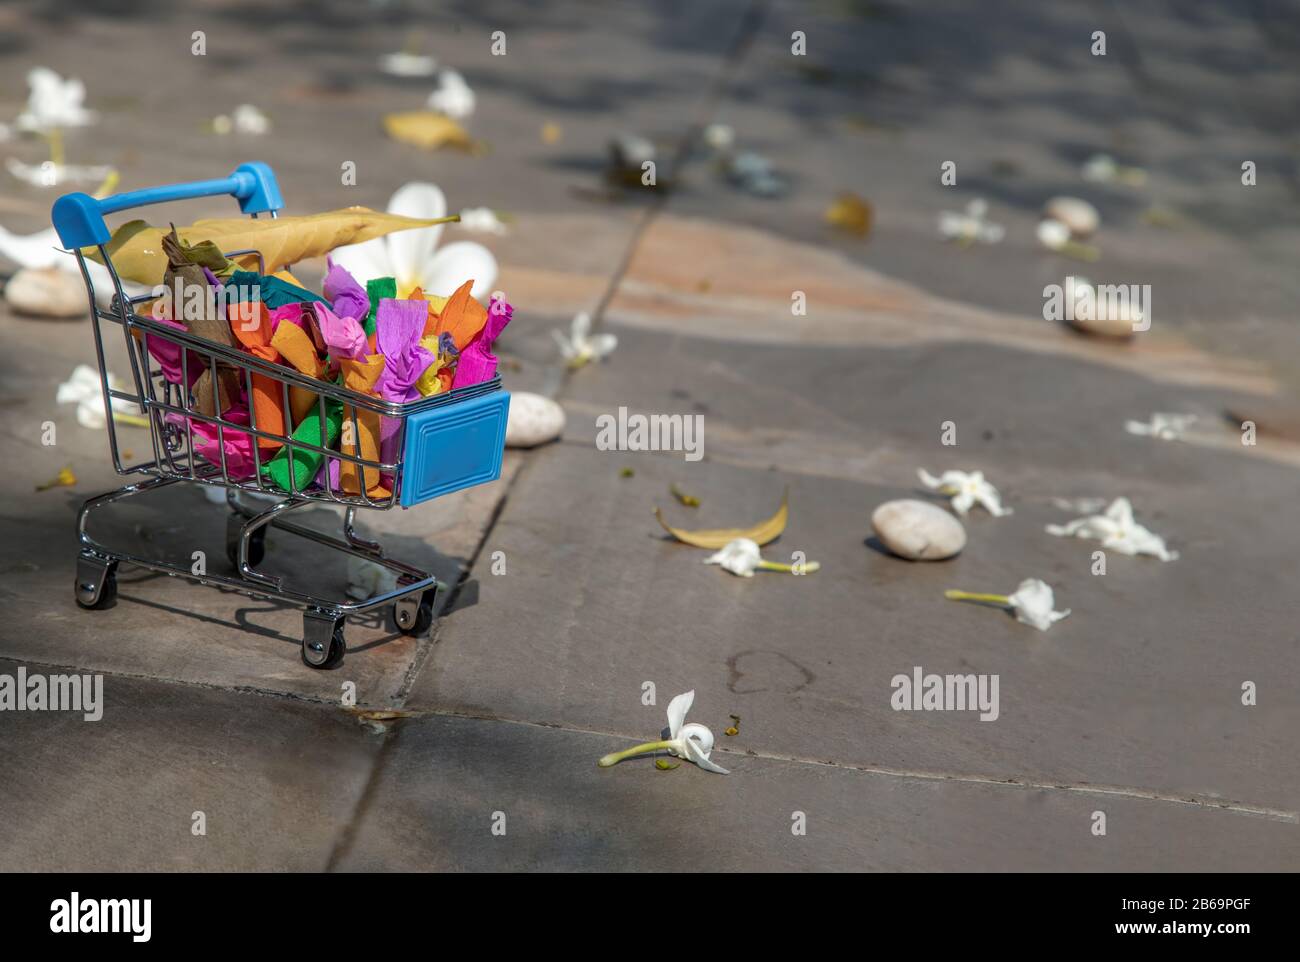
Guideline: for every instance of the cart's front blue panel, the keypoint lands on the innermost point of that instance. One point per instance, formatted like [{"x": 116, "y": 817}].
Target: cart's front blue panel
[{"x": 453, "y": 447}]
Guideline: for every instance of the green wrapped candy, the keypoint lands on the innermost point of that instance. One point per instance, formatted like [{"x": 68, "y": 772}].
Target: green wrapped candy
[{"x": 306, "y": 464}]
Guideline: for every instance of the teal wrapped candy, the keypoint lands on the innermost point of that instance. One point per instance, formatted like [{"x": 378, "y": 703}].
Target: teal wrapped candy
[{"x": 274, "y": 291}]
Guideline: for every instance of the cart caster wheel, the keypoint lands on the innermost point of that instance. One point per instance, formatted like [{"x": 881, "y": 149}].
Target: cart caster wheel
[
  {"x": 96, "y": 585},
  {"x": 256, "y": 542},
  {"x": 415, "y": 616},
  {"x": 322, "y": 640},
  {"x": 315, "y": 655}
]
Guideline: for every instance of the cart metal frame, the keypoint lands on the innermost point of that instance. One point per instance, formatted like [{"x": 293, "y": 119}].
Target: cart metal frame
[{"x": 170, "y": 410}]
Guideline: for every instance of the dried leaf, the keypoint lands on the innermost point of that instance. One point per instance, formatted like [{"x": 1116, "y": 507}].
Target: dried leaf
[
  {"x": 551, "y": 133},
  {"x": 851, "y": 213},
  {"x": 626, "y": 473},
  {"x": 64, "y": 479},
  {"x": 427, "y": 129},
  {"x": 716, "y": 538},
  {"x": 137, "y": 251},
  {"x": 733, "y": 730},
  {"x": 690, "y": 500},
  {"x": 664, "y": 765}
]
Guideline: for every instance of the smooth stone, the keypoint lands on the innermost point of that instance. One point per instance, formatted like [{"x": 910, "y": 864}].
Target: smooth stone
[
  {"x": 533, "y": 420},
  {"x": 918, "y": 530},
  {"x": 47, "y": 292},
  {"x": 1077, "y": 214},
  {"x": 1103, "y": 322}
]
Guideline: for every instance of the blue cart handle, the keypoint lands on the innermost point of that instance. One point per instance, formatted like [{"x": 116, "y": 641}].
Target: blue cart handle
[{"x": 79, "y": 218}]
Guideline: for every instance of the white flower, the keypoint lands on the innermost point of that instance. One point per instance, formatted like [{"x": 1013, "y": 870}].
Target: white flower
[
  {"x": 408, "y": 64},
  {"x": 971, "y": 226},
  {"x": 1033, "y": 602},
  {"x": 452, "y": 96},
  {"x": 6, "y": 133},
  {"x": 1117, "y": 531},
  {"x": 85, "y": 390},
  {"x": 1166, "y": 427},
  {"x": 482, "y": 220},
  {"x": 1102, "y": 169},
  {"x": 692, "y": 742},
  {"x": 412, "y": 257},
  {"x": 1052, "y": 234},
  {"x": 581, "y": 345},
  {"x": 246, "y": 119},
  {"x": 740, "y": 557},
  {"x": 719, "y": 137},
  {"x": 50, "y": 174},
  {"x": 42, "y": 251},
  {"x": 54, "y": 102},
  {"x": 966, "y": 490}
]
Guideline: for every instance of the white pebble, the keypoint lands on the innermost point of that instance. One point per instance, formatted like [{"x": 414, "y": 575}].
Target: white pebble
[
  {"x": 533, "y": 420},
  {"x": 918, "y": 530},
  {"x": 1078, "y": 215},
  {"x": 47, "y": 292}
]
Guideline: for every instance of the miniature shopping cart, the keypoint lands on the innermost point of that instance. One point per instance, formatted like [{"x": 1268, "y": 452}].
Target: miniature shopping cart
[{"x": 444, "y": 442}]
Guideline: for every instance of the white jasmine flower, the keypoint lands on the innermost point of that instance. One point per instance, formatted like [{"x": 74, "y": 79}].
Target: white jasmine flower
[
  {"x": 404, "y": 64},
  {"x": 719, "y": 137},
  {"x": 52, "y": 174},
  {"x": 692, "y": 742},
  {"x": 1117, "y": 531},
  {"x": 453, "y": 96},
  {"x": 54, "y": 102},
  {"x": 1052, "y": 234},
  {"x": 1032, "y": 602},
  {"x": 246, "y": 119},
  {"x": 966, "y": 489},
  {"x": 85, "y": 390},
  {"x": 481, "y": 220},
  {"x": 414, "y": 258},
  {"x": 581, "y": 345},
  {"x": 971, "y": 226},
  {"x": 742, "y": 557},
  {"x": 1166, "y": 427}
]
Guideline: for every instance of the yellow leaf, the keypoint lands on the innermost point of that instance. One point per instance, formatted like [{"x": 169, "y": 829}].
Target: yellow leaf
[
  {"x": 851, "y": 213},
  {"x": 136, "y": 247},
  {"x": 64, "y": 479},
  {"x": 716, "y": 538},
  {"x": 689, "y": 500},
  {"x": 427, "y": 129}
]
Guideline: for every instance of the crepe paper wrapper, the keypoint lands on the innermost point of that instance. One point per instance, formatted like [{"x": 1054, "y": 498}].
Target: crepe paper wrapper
[
  {"x": 436, "y": 304},
  {"x": 462, "y": 317},
  {"x": 376, "y": 290},
  {"x": 346, "y": 297},
  {"x": 437, "y": 377},
  {"x": 296, "y": 347},
  {"x": 268, "y": 400},
  {"x": 716, "y": 538},
  {"x": 306, "y": 464},
  {"x": 168, "y": 354},
  {"x": 398, "y": 328},
  {"x": 343, "y": 337},
  {"x": 274, "y": 292},
  {"x": 363, "y": 442},
  {"x": 477, "y": 362},
  {"x": 238, "y": 446}
]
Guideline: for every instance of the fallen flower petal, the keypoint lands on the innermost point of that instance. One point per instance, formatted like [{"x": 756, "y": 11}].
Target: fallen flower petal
[
  {"x": 1166, "y": 427},
  {"x": 742, "y": 557},
  {"x": 1032, "y": 602},
  {"x": 581, "y": 346},
  {"x": 966, "y": 489},
  {"x": 453, "y": 96},
  {"x": 1116, "y": 530},
  {"x": 693, "y": 742}
]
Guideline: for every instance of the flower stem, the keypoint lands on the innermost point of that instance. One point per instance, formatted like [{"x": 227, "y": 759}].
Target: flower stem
[
  {"x": 807, "y": 566},
  {"x": 55, "y": 137},
  {"x": 613, "y": 758},
  {"x": 954, "y": 595}
]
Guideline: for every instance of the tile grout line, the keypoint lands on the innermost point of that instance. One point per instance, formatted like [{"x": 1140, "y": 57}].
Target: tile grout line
[{"x": 1140, "y": 794}]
